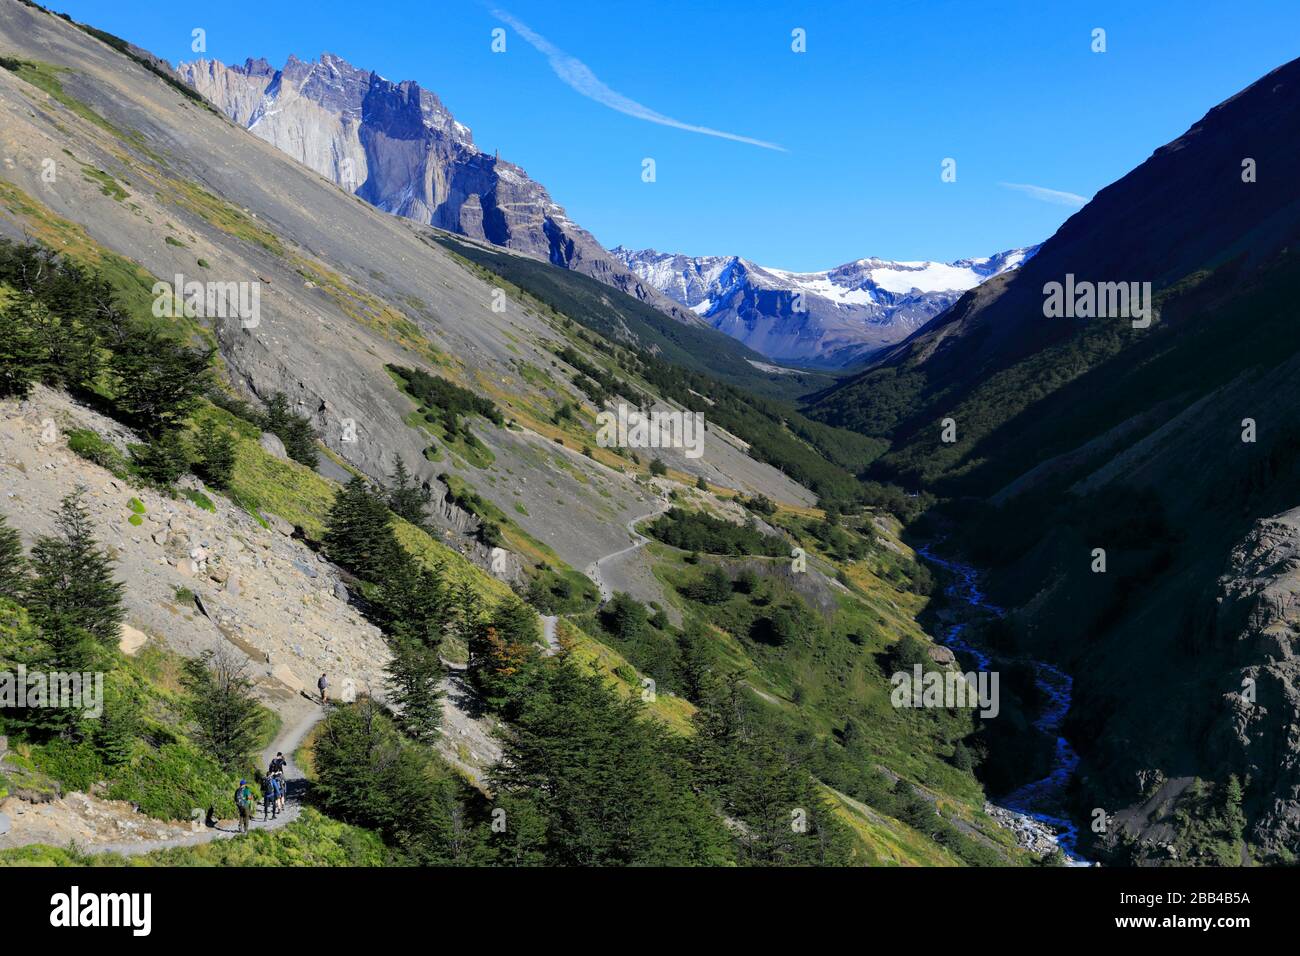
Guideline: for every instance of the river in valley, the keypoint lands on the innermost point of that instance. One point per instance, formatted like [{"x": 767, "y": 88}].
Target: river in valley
[{"x": 1039, "y": 804}]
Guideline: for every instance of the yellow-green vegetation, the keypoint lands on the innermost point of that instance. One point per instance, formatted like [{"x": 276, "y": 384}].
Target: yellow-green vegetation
[
  {"x": 217, "y": 212},
  {"x": 46, "y": 77},
  {"x": 676, "y": 712},
  {"x": 107, "y": 184},
  {"x": 883, "y": 841},
  {"x": 132, "y": 284},
  {"x": 369, "y": 310},
  {"x": 817, "y": 658},
  {"x": 300, "y": 496}
]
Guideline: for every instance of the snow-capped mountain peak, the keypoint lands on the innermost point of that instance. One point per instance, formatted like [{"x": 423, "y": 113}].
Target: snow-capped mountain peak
[{"x": 834, "y": 317}]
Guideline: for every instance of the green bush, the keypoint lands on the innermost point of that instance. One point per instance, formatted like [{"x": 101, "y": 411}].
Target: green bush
[
  {"x": 75, "y": 766},
  {"x": 697, "y": 531},
  {"x": 172, "y": 781},
  {"x": 90, "y": 446}
]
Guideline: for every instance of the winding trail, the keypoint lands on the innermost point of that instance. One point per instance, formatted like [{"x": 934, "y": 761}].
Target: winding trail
[
  {"x": 548, "y": 634},
  {"x": 295, "y": 786},
  {"x": 640, "y": 541},
  {"x": 1039, "y": 802}
]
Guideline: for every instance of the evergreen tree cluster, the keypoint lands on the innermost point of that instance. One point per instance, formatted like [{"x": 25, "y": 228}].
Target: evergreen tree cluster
[
  {"x": 67, "y": 590},
  {"x": 697, "y": 531},
  {"x": 446, "y": 401},
  {"x": 292, "y": 429},
  {"x": 65, "y": 328}
]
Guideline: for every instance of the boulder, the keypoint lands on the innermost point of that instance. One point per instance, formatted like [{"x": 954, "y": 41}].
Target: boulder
[
  {"x": 131, "y": 640},
  {"x": 941, "y": 655},
  {"x": 272, "y": 444}
]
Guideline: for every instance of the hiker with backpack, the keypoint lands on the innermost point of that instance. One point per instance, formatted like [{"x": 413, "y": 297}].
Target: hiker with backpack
[
  {"x": 276, "y": 773},
  {"x": 270, "y": 798},
  {"x": 244, "y": 801},
  {"x": 323, "y": 686}
]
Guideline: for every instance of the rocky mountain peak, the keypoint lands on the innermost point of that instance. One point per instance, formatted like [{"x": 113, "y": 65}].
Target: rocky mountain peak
[{"x": 397, "y": 146}]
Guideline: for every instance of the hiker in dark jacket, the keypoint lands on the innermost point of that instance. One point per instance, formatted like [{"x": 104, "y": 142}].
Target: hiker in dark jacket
[
  {"x": 269, "y": 798},
  {"x": 323, "y": 686},
  {"x": 244, "y": 801}
]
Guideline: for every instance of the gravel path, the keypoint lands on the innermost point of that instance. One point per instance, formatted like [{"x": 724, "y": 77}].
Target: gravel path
[
  {"x": 548, "y": 632},
  {"x": 296, "y": 785},
  {"x": 640, "y": 541}
]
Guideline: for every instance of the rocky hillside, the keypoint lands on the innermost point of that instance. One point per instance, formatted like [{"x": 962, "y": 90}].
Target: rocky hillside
[
  {"x": 834, "y": 318},
  {"x": 344, "y": 291},
  {"x": 398, "y": 147}
]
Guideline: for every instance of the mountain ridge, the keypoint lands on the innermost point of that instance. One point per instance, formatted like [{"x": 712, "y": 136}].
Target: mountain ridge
[
  {"x": 834, "y": 317},
  {"x": 397, "y": 146}
]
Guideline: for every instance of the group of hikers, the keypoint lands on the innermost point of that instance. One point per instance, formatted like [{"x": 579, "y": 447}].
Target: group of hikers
[
  {"x": 273, "y": 785},
  {"x": 273, "y": 794}
]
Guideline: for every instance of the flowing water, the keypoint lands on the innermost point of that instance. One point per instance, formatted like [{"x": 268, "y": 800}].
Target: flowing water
[{"x": 1042, "y": 800}]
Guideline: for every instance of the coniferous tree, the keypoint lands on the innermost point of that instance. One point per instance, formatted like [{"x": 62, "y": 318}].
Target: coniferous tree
[
  {"x": 157, "y": 380},
  {"x": 628, "y": 801},
  {"x": 68, "y": 348},
  {"x": 216, "y": 455},
  {"x": 292, "y": 429},
  {"x": 756, "y": 779},
  {"x": 625, "y": 617},
  {"x": 68, "y": 650},
  {"x": 368, "y": 775},
  {"x": 464, "y": 612},
  {"x": 359, "y": 533},
  {"x": 415, "y": 675},
  {"x": 413, "y": 603},
  {"x": 20, "y": 355},
  {"x": 406, "y": 498},
  {"x": 503, "y": 651},
  {"x": 163, "y": 459},
  {"x": 118, "y": 728},
  {"x": 72, "y": 584},
  {"x": 13, "y": 565},
  {"x": 222, "y": 706}
]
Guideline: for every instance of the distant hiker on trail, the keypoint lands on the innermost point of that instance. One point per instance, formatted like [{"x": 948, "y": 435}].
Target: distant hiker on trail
[
  {"x": 281, "y": 789},
  {"x": 323, "y": 686},
  {"x": 277, "y": 763},
  {"x": 244, "y": 800}
]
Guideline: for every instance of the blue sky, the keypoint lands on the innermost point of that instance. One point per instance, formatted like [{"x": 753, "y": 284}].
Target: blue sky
[{"x": 885, "y": 92}]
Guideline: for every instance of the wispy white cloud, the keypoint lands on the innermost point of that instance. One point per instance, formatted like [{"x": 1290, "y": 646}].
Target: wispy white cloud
[
  {"x": 578, "y": 75},
  {"x": 1043, "y": 194}
]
